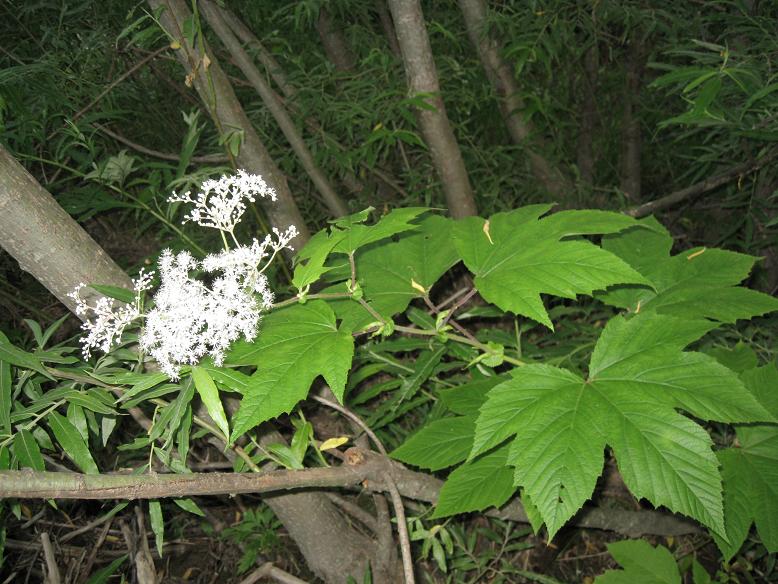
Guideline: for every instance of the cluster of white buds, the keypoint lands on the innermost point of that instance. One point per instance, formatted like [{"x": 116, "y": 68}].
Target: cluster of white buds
[
  {"x": 191, "y": 319},
  {"x": 221, "y": 203},
  {"x": 105, "y": 320}
]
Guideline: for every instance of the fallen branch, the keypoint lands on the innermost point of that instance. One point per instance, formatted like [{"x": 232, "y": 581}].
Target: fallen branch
[
  {"x": 365, "y": 468},
  {"x": 701, "y": 187}
]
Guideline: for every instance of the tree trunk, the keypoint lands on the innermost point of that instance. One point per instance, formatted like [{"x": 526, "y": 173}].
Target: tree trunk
[
  {"x": 350, "y": 181},
  {"x": 435, "y": 127},
  {"x": 204, "y": 72},
  {"x": 630, "y": 125},
  {"x": 511, "y": 105},
  {"x": 265, "y": 57},
  {"x": 335, "y": 45},
  {"x": 335, "y": 204},
  {"x": 388, "y": 26},
  {"x": 46, "y": 241},
  {"x": 588, "y": 115}
]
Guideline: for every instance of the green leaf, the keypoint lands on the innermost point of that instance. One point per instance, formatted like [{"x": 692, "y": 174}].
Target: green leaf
[
  {"x": 545, "y": 405},
  {"x": 157, "y": 524},
  {"x": 642, "y": 563},
  {"x": 6, "y": 382},
  {"x": 190, "y": 506},
  {"x": 468, "y": 398},
  {"x": 121, "y": 294},
  {"x": 228, "y": 379},
  {"x": 516, "y": 256},
  {"x": 425, "y": 363},
  {"x": 72, "y": 443},
  {"x": 147, "y": 381},
  {"x": 356, "y": 235},
  {"x": 639, "y": 376},
  {"x": 740, "y": 358},
  {"x": 27, "y": 451},
  {"x": 750, "y": 473},
  {"x": 697, "y": 283},
  {"x": 103, "y": 574},
  {"x": 310, "y": 261},
  {"x": 439, "y": 444},
  {"x": 210, "y": 396},
  {"x": 762, "y": 382},
  {"x": 386, "y": 272},
  {"x": 296, "y": 345},
  {"x": 476, "y": 485},
  {"x": 15, "y": 356}
]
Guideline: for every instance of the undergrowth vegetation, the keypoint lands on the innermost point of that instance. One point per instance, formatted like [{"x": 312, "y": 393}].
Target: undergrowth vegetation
[{"x": 576, "y": 368}]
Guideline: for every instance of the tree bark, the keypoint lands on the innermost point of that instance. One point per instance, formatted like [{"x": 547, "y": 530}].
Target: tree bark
[
  {"x": 361, "y": 467},
  {"x": 350, "y": 181},
  {"x": 335, "y": 204},
  {"x": 388, "y": 26},
  {"x": 591, "y": 64},
  {"x": 630, "y": 125},
  {"x": 510, "y": 104},
  {"x": 335, "y": 45},
  {"x": 46, "y": 241},
  {"x": 265, "y": 57},
  {"x": 204, "y": 72},
  {"x": 435, "y": 127}
]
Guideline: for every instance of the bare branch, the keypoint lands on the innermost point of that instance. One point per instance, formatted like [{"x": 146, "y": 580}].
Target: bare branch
[
  {"x": 364, "y": 468},
  {"x": 701, "y": 187}
]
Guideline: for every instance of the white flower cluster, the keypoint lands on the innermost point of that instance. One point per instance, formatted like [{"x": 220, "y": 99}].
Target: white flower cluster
[
  {"x": 106, "y": 321},
  {"x": 221, "y": 203},
  {"x": 191, "y": 319}
]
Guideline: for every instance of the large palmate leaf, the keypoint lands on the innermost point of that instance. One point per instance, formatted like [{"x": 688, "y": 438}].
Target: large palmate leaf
[
  {"x": 387, "y": 272},
  {"x": 517, "y": 256},
  {"x": 697, "y": 283},
  {"x": 295, "y": 346},
  {"x": 639, "y": 376},
  {"x": 750, "y": 472}
]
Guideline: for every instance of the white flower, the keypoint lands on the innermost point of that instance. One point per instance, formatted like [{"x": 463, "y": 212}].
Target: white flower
[
  {"x": 105, "y": 320},
  {"x": 190, "y": 319},
  {"x": 221, "y": 203}
]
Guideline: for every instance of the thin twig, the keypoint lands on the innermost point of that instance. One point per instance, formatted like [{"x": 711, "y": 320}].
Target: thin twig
[
  {"x": 52, "y": 572},
  {"x": 356, "y": 419},
  {"x": 207, "y": 159},
  {"x": 397, "y": 503},
  {"x": 701, "y": 187},
  {"x": 118, "y": 80},
  {"x": 402, "y": 529}
]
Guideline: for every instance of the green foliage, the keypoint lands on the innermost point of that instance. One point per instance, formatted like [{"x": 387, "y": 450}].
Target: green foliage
[
  {"x": 257, "y": 533},
  {"x": 515, "y": 257},
  {"x": 642, "y": 563},
  {"x": 298, "y": 344}
]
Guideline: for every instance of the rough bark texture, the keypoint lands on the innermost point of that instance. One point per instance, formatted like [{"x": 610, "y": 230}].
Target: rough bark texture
[
  {"x": 215, "y": 90},
  {"x": 335, "y": 45},
  {"x": 361, "y": 467},
  {"x": 334, "y": 203},
  {"x": 591, "y": 64},
  {"x": 511, "y": 105},
  {"x": 46, "y": 241},
  {"x": 435, "y": 127},
  {"x": 630, "y": 125}
]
